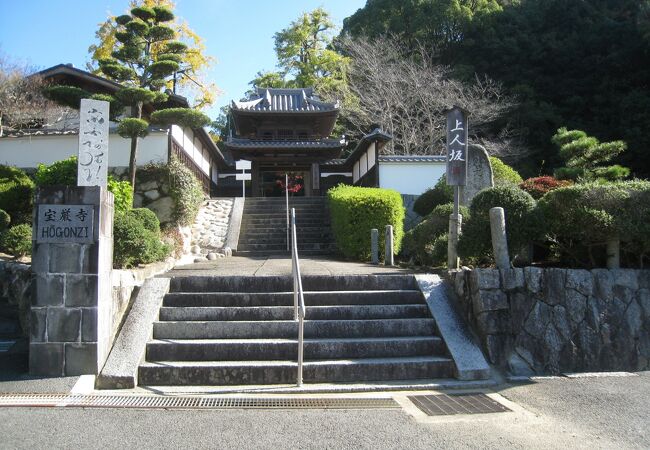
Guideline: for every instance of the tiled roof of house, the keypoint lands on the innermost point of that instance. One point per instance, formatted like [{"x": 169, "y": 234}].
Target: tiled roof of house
[
  {"x": 412, "y": 158},
  {"x": 284, "y": 100},
  {"x": 254, "y": 143}
]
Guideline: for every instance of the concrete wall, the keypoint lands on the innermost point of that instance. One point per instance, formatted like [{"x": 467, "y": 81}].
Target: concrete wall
[
  {"x": 29, "y": 151},
  {"x": 535, "y": 320},
  {"x": 410, "y": 178}
]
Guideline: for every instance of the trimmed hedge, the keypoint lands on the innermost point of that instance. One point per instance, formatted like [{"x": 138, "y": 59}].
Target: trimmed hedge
[
  {"x": 420, "y": 241},
  {"x": 135, "y": 240},
  {"x": 16, "y": 194},
  {"x": 579, "y": 219},
  {"x": 521, "y": 225},
  {"x": 357, "y": 210},
  {"x": 440, "y": 194},
  {"x": 17, "y": 240},
  {"x": 503, "y": 174}
]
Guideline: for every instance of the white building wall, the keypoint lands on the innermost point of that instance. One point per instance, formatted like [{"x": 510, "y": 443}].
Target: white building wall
[
  {"x": 410, "y": 178},
  {"x": 29, "y": 151}
]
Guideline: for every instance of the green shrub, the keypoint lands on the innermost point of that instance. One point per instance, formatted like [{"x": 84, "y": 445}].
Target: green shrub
[
  {"x": 122, "y": 194},
  {"x": 357, "y": 210},
  {"x": 418, "y": 241},
  {"x": 186, "y": 191},
  {"x": 17, "y": 240},
  {"x": 148, "y": 218},
  {"x": 521, "y": 226},
  {"x": 64, "y": 172},
  {"x": 579, "y": 219},
  {"x": 503, "y": 174},
  {"x": 437, "y": 251},
  {"x": 135, "y": 244},
  {"x": 4, "y": 220},
  {"x": 16, "y": 194},
  {"x": 440, "y": 194}
]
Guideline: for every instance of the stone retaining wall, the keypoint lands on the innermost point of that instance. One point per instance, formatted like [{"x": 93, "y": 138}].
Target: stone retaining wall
[
  {"x": 15, "y": 296},
  {"x": 551, "y": 321}
]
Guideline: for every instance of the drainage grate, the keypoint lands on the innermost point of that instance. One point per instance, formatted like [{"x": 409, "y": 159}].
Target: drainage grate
[
  {"x": 143, "y": 401},
  {"x": 444, "y": 405}
]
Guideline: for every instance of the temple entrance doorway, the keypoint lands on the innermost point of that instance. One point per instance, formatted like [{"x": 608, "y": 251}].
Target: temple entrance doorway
[{"x": 272, "y": 182}]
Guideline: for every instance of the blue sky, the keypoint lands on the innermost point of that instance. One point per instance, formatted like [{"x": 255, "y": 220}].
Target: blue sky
[{"x": 239, "y": 34}]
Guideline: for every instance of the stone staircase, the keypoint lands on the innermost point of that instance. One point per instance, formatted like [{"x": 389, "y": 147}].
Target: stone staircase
[
  {"x": 240, "y": 331},
  {"x": 263, "y": 229}
]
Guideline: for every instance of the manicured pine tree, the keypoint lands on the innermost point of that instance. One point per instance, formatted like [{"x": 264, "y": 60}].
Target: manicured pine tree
[{"x": 144, "y": 72}]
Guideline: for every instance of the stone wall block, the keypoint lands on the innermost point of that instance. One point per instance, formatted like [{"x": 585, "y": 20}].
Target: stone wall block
[
  {"x": 46, "y": 359},
  {"x": 533, "y": 277},
  {"x": 562, "y": 323},
  {"x": 580, "y": 280},
  {"x": 80, "y": 359},
  {"x": 633, "y": 321},
  {"x": 520, "y": 306},
  {"x": 63, "y": 325},
  {"x": 626, "y": 278},
  {"x": 554, "y": 343},
  {"x": 490, "y": 300},
  {"x": 81, "y": 290},
  {"x": 554, "y": 286},
  {"x": 538, "y": 319},
  {"x": 88, "y": 324},
  {"x": 486, "y": 278},
  {"x": 493, "y": 322},
  {"x": 512, "y": 279},
  {"x": 623, "y": 293},
  {"x": 68, "y": 258},
  {"x": 49, "y": 290},
  {"x": 643, "y": 297},
  {"x": 38, "y": 325},
  {"x": 576, "y": 305},
  {"x": 40, "y": 258},
  {"x": 603, "y": 284},
  {"x": 643, "y": 277},
  {"x": 593, "y": 314},
  {"x": 497, "y": 347}
]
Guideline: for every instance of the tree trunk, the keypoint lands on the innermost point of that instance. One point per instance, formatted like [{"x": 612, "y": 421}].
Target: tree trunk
[
  {"x": 132, "y": 160},
  {"x": 1, "y": 125}
]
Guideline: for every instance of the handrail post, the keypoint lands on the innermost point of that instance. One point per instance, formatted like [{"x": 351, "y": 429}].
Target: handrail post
[
  {"x": 286, "y": 195},
  {"x": 298, "y": 296}
]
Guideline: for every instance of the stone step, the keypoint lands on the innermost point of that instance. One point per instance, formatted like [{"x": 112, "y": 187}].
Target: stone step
[
  {"x": 254, "y": 313},
  {"x": 300, "y": 229},
  {"x": 282, "y": 201},
  {"x": 288, "y": 329},
  {"x": 284, "y": 372},
  {"x": 312, "y": 298},
  {"x": 282, "y": 246},
  {"x": 268, "y": 253},
  {"x": 279, "y": 349},
  {"x": 281, "y": 240},
  {"x": 275, "y": 284},
  {"x": 272, "y": 222}
]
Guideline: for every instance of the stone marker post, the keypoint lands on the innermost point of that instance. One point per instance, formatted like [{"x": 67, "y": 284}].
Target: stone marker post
[
  {"x": 388, "y": 250},
  {"x": 499, "y": 240},
  {"x": 455, "y": 228},
  {"x": 72, "y": 258},
  {"x": 374, "y": 246}
]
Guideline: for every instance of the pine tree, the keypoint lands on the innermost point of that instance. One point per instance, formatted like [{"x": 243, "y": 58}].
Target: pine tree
[{"x": 585, "y": 157}]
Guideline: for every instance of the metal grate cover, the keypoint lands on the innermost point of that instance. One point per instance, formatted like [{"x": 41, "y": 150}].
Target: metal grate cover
[
  {"x": 444, "y": 405},
  {"x": 144, "y": 401}
]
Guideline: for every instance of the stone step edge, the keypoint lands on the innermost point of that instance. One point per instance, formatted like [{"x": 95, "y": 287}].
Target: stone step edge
[{"x": 202, "y": 341}]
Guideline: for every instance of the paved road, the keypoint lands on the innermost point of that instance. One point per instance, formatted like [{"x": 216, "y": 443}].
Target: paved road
[{"x": 562, "y": 413}]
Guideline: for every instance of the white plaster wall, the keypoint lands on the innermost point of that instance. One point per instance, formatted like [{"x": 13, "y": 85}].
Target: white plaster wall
[
  {"x": 193, "y": 147},
  {"x": 410, "y": 178},
  {"x": 30, "y": 151},
  {"x": 371, "y": 155}
]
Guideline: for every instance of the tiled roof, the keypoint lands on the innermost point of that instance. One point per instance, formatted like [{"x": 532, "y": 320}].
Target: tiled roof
[
  {"x": 252, "y": 143},
  {"x": 412, "y": 158},
  {"x": 284, "y": 100}
]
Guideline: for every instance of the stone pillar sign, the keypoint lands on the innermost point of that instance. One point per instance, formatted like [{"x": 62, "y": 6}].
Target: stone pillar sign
[
  {"x": 72, "y": 258},
  {"x": 92, "y": 168}
]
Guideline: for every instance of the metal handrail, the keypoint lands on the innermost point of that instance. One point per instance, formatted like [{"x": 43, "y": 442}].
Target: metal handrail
[
  {"x": 298, "y": 295},
  {"x": 286, "y": 194}
]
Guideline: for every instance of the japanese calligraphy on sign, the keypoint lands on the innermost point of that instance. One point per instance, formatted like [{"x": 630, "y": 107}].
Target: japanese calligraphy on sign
[
  {"x": 456, "y": 147},
  {"x": 92, "y": 166},
  {"x": 65, "y": 223}
]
